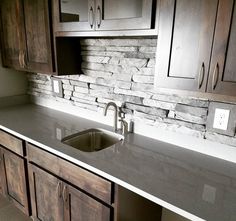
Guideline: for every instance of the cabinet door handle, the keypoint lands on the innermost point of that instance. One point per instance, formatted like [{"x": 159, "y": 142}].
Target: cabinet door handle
[
  {"x": 201, "y": 75},
  {"x": 23, "y": 59},
  {"x": 65, "y": 194},
  {"x": 91, "y": 17},
  {"x": 99, "y": 16},
  {"x": 20, "y": 58},
  {"x": 59, "y": 189},
  {"x": 215, "y": 76}
]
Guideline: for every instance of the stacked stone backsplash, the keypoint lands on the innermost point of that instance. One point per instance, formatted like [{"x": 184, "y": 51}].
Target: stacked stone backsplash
[{"x": 122, "y": 70}]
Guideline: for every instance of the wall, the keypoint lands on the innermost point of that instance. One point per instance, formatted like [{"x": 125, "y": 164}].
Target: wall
[
  {"x": 12, "y": 82},
  {"x": 122, "y": 70}
]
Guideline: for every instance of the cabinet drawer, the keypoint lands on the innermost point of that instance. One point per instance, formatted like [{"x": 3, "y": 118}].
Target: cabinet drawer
[
  {"x": 74, "y": 174},
  {"x": 12, "y": 143}
]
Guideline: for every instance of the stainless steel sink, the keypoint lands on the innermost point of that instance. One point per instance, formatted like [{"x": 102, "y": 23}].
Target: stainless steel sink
[{"x": 92, "y": 140}]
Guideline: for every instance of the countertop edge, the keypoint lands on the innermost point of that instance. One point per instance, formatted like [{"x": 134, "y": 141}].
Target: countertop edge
[{"x": 107, "y": 176}]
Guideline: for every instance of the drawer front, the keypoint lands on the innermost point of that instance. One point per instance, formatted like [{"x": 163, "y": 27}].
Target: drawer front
[
  {"x": 74, "y": 174},
  {"x": 12, "y": 143}
]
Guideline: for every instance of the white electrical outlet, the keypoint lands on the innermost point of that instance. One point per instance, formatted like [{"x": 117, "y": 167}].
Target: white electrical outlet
[
  {"x": 221, "y": 119},
  {"x": 56, "y": 86}
]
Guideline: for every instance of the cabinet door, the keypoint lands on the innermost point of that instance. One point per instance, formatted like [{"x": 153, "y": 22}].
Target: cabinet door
[
  {"x": 222, "y": 77},
  {"x": 2, "y": 176},
  {"x": 38, "y": 56},
  {"x": 45, "y": 192},
  {"x": 12, "y": 34},
  {"x": 74, "y": 15},
  {"x": 14, "y": 179},
  {"x": 124, "y": 15},
  {"x": 80, "y": 207},
  {"x": 184, "y": 43}
]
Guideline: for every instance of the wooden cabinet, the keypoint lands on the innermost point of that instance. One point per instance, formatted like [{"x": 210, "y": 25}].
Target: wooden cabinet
[
  {"x": 185, "y": 38},
  {"x": 45, "y": 192},
  {"x": 222, "y": 74},
  {"x": 196, "y": 48},
  {"x": 75, "y": 199},
  {"x": 105, "y": 15},
  {"x": 13, "y": 176},
  {"x": 25, "y": 35},
  {"x": 79, "y": 206},
  {"x": 12, "y": 36},
  {"x": 13, "y": 169},
  {"x": 1, "y": 173}
]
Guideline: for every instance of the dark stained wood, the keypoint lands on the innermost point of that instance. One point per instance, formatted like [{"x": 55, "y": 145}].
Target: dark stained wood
[
  {"x": 120, "y": 15},
  {"x": 12, "y": 35},
  {"x": 38, "y": 54},
  {"x": 46, "y": 195},
  {"x": 26, "y": 36},
  {"x": 2, "y": 174},
  {"x": 14, "y": 179},
  {"x": 222, "y": 78},
  {"x": 12, "y": 143},
  {"x": 185, "y": 38},
  {"x": 89, "y": 182},
  {"x": 79, "y": 206}
]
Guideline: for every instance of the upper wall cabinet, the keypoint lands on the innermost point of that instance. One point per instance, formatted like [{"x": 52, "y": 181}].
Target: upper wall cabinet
[
  {"x": 196, "y": 48},
  {"x": 184, "y": 46},
  {"x": 104, "y": 15},
  {"x": 222, "y": 75},
  {"x": 25, "y": 35}
]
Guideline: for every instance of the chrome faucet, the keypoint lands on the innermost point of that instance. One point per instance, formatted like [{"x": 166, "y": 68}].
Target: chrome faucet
[
  {"x": 115, "y": 113},
  {"x": 118, "y": 112}
]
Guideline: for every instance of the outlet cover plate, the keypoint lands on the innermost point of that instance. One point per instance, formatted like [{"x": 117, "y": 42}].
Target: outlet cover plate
[
  {"x": 221, "y": 119},
  {"x": 57, "y": 87},
  {"x": 218, "y": 125}
]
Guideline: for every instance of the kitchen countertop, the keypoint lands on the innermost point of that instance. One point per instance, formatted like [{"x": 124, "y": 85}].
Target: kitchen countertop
[{"x": 194, "y": 185}]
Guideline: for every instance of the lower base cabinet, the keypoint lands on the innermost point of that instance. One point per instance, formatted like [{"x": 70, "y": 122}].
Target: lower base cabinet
[
  {"x": 62, "y": 191},
  {"x": 13, "y": 179},
  {"x": 55, "y": 200}
]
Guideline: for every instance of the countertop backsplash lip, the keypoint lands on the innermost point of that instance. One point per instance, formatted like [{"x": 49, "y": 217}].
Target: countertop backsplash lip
[{"x": 131, "y": 165}]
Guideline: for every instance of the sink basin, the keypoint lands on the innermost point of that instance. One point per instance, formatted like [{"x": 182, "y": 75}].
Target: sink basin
[{"x": 92, "y": 140}]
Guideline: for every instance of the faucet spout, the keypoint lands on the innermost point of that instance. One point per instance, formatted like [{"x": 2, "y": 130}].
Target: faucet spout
[{"x": 115, "y": 113}]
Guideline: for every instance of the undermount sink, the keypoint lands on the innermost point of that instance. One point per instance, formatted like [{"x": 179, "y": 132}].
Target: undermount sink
[{"x": 92, "y": 140}]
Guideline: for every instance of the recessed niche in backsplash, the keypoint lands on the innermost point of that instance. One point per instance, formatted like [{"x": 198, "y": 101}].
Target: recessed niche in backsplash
[{"x": 122, "y": 70}]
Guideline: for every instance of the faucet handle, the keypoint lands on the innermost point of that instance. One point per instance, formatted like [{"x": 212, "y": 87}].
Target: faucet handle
[{"x": 124, "y": 127}]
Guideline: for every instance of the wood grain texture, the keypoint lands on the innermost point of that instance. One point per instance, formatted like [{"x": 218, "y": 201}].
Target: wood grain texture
[
  {"x": 46, "y": 199},
  {"x": 12, "y": 143},
  {"x": 186, "y": 30},
  {"x": 222, "y": 78},
  {"x": 79, "y": 206},
  {"x": 83, "y": 179},
  {"x": 13, "y": 170},
  {"x": 38, "y": 55},
  {"x": 12, "y": 33}
]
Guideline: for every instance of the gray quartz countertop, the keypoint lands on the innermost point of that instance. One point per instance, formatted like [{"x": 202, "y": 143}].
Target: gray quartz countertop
[{"x": 192, "y": 184}]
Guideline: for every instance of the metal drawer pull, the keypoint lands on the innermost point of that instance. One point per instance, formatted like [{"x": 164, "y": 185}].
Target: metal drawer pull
[
  {"x": 65, "y": 194},
  {"x": 215, "y": 76},
  {"x": 99, "y": 16},
  {"x": 201, "y": 75},
  {"x": 91, "y": 17},
  {"x": 23, "y": 59},
  {"x": 20, "y": 59},
  {"x": 59, "y": 189}
]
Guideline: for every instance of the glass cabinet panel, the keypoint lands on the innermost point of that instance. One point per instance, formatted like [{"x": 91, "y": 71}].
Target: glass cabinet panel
[
  {"x": 73, "y": 10},
  {"x": 114, "y": 9}
]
